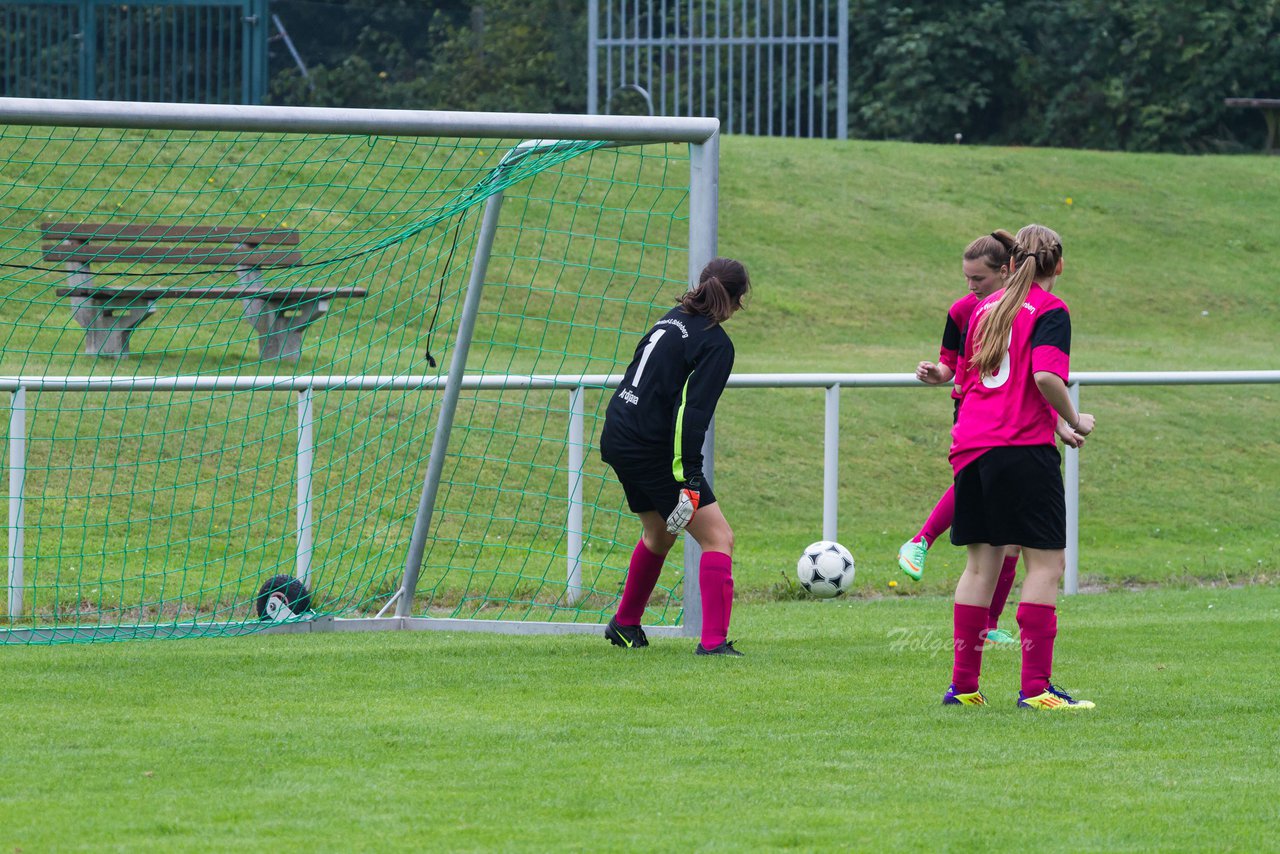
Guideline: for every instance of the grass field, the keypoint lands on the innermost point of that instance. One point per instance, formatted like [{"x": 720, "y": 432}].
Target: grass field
[
  {"x": 828, "y": 736},
  {"x": 854, "y": 249}
]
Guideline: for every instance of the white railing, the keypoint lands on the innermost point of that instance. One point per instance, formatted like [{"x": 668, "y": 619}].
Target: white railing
[{"x": 305, "y": 386}]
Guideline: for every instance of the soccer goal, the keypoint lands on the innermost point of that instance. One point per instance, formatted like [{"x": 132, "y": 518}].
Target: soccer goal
[{"x": 300, "y": 369}]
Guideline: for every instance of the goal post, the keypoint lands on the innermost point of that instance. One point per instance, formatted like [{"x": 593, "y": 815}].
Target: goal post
[{"x": 156, "y": 491}]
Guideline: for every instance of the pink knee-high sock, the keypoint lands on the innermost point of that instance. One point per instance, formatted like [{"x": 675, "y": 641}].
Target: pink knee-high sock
[
  {"x": 1039, "y": 625},
  {"x": 641, "y": 578},
  {"x": 944, "y": 513},
  {"x": 1001, "y": 595},
  {"x": 970, "y": 623},
  {"x": 715, "y": 581}
]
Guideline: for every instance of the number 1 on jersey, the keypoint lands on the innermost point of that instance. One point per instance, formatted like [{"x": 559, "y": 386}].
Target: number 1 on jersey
[{"x": 644, "y": 357}]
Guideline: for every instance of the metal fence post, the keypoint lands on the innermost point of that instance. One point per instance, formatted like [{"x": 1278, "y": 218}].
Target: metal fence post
[
  {"x": 17, "y": 497},
  {"x": 577, "y": 456},
  {"x": 306, "y": 458},
  {"x": 831, "y": 464},
  {"x": 1071, "y": 578}
]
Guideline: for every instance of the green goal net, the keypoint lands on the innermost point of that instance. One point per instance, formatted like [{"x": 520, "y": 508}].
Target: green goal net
[{"x": 225, "y": 358}]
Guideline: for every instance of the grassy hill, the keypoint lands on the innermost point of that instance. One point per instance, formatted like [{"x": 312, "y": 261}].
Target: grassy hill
[{"x": 854, "y": 251}]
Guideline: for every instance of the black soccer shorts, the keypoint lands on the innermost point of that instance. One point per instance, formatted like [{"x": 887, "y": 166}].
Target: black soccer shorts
[
  {"x": 649, "y": 484},
  {"x": 1012, "y": 496}
]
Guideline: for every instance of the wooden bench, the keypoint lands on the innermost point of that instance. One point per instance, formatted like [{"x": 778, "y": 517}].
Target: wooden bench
[
  {"x": 1270, "y": 108},
  {"x": 110, "y": 314}
]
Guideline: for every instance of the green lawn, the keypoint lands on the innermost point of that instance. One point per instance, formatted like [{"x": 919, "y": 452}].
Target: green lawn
[
  {"x": 827, "y": 736},
  {"x": 854, "y": 250}
]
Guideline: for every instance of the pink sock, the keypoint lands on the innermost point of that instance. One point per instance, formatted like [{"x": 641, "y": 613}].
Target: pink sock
[
  {"x": 641, "y": 578},
  {"x": 1001, "y": 595},
  {"x": 1039, "y": 625},
  {"x": 970, "y": 623},
  {"x": 715, "y": 580},
  {"x": 944, "y": 512}
]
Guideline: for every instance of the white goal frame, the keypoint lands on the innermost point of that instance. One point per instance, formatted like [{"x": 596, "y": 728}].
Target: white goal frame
[{"x": 539, "y": 130}]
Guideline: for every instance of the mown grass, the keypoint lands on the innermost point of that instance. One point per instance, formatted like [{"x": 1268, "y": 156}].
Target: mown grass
[
  {"x": 854, "y": 251},
  {"x": 828, "y": 735},
  {"x": 853, "y": 248}
]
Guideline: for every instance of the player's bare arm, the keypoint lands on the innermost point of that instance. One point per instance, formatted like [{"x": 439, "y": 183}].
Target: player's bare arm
[
  {"x": 934, "y": 373},
  {"x": 1055, "y": 391}
]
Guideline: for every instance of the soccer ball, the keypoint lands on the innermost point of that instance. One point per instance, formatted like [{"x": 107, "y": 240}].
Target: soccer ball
[
  {"x": 825, "y": 569},
  {"x": 282, "y": 597}
]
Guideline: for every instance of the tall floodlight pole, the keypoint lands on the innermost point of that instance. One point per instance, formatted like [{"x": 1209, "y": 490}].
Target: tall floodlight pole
[{"x": 704, "y": 224}]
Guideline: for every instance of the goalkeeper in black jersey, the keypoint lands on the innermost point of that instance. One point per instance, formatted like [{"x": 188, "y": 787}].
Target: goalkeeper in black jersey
[{"x": 653, "y": 433}]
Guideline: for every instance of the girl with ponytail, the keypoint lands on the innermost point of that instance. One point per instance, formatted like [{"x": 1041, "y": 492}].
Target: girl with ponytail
[
  {"x": 653, "y": 432},
  {"x": 1008, "y": 481},
  {"x": 986, "y": 265}
]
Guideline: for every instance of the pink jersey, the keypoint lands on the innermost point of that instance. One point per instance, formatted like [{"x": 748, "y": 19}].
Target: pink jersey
[
  {"x": 1008, "y": 408},
  {"x": 953, "y": 338}
]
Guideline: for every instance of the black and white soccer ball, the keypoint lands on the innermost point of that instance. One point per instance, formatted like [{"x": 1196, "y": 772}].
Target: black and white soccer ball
[
  {"x": 282, "y": 597},
  {"x": 825, "y": 569}
]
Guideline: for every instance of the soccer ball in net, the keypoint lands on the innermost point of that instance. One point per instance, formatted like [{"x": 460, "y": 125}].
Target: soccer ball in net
[
  {"x": 282, "y": 597},
  {"x": 825, "y": 569}
]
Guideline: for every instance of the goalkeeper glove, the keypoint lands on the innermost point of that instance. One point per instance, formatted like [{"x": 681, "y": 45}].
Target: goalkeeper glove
[{"x": 686, "y": 506}]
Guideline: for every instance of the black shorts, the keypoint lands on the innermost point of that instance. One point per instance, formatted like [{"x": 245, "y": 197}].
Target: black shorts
[
  {"x": 649, "y": 484},
  {"x": 1012, "y": 496}
]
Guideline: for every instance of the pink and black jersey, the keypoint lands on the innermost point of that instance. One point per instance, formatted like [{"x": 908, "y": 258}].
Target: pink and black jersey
[
  {"x": 953, "y": 338},
  {"x": 1007, "y": 408}
]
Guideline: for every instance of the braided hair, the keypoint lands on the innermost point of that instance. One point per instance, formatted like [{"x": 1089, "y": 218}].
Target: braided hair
[{"x": 1036, "y": 252}]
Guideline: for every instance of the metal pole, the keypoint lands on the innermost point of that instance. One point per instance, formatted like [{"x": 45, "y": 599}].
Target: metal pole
[
  {"x": 831, "y": 464},
  {"x": 1071, "y": 578},
  {"x": 17, "y": 485},
  {"x": 449, "y": 403},
  {"x": 577, "y": 457},
  {"x": 88, "y": 51},
  {"x": 704, "y": 213},
  {"x": 593, "y": 62},
  {"x": 842, "y": 73},
  {"x": 306, "y": 457},
  {"x": 228, "y": 117}
]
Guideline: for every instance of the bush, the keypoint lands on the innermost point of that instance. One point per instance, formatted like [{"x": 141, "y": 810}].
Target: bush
[{"x": 1139, "y": 75}]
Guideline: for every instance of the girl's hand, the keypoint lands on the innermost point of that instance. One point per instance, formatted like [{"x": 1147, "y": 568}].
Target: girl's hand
[
  {"x": 1084, "y": 426},
  {"x": 1069, "y": 437},
  {"x": 926, "y": 372}
]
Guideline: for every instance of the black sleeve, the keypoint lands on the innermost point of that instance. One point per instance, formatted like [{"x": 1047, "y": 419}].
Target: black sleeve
[
  {"x": 1053, "y": 329},
  {"x": 701, "y": 393},
  {"x": 952, "y": 335}
]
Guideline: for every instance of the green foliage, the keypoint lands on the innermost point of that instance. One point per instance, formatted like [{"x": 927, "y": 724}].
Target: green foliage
[
  {"x": 1139, "y": 75},
  {"x": 926, "y": 71},
  {"x": 1145, "y": 75},
  {"x": 506, "y": 55},
  {"x": 1136, "y": 75}
]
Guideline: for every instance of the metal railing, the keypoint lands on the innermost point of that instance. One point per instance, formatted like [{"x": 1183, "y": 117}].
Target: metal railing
[
  {"x": 194, "y": 51},
  {"x": 575, "y": 384},
  {"x": 762, "y": 67}
]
